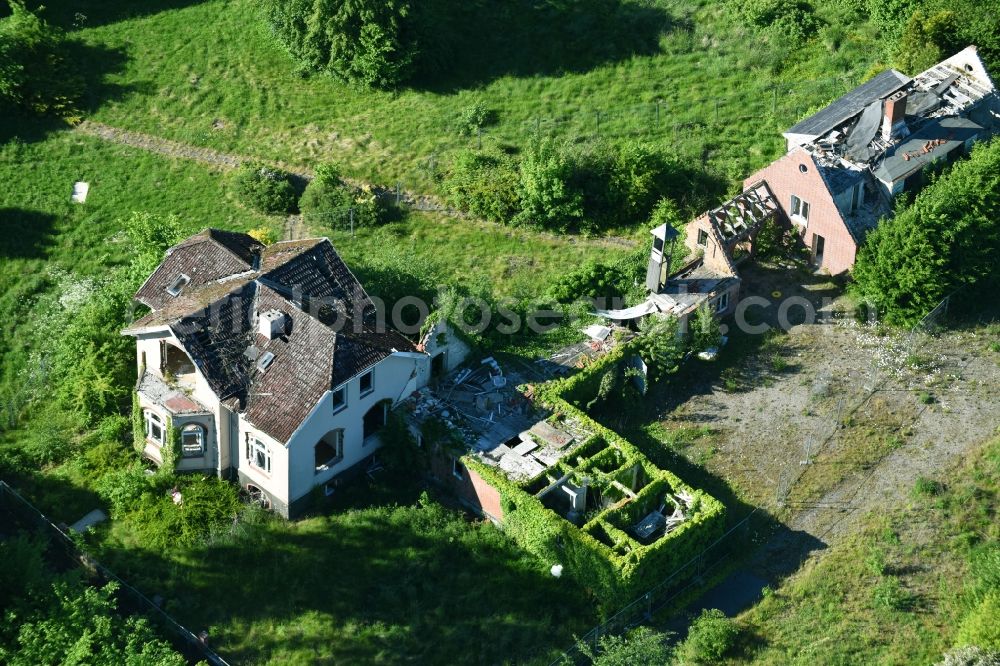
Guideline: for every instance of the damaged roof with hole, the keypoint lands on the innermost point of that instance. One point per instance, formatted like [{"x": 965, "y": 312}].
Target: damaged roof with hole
[
  {"x": 850, "y": 104},
  {"x": 330, "y": 332}
]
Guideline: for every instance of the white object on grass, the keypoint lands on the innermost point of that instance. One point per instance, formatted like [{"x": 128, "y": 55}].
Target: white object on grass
[{"x": 80, "y": 191}]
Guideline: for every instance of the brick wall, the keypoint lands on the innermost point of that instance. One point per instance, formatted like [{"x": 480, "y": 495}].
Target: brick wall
[
  {"x": 471, "y": 489},
  {"x": 785, "y": 178}
]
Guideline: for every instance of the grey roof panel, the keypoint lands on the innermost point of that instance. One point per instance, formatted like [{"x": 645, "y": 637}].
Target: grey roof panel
[
  {"x": 910, "y": 156},
  {"x": 850, "y": 104}
]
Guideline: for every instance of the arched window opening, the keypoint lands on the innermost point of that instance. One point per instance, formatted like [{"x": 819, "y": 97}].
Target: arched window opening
[
  {"x": 329, "y": 451},
  {"x": 192, "y": 440}
]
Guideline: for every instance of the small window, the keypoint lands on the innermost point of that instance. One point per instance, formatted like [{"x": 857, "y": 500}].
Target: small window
[
  {"x": 192, "y": 440},
  {"x": 177, "y": 286},
  {"x": 702, "y": 238},
  {"x": 339, "y": 398},
  {"x": 258, "y": 455},
  {"x": 657, "y": 243},
  {"x": 154, "y": 427},
  {"x": 457, "y": 469},
  {"x": 800, "y": 208},
  {"x": 265, "y": 360},
  {"x": 803, "y": 168},
  {"x": 722, "y": 302},
  {"x": 367, "y": 382}
]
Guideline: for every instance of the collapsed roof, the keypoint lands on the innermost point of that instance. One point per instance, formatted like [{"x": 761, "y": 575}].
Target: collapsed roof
[
  {"x": 868, "y": 126},
  {"x": 328, "y": 328}
]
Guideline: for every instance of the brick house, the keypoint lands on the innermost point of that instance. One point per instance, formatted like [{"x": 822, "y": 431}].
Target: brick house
[{"x": 847, "y": 162}]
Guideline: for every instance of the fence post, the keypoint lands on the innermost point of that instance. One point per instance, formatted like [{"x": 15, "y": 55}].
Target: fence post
[
  {"x": 657, "y": 114},
  {"x": 774, "y": 99},
  {"x": 397, "y": 193},
  {"x": 598, "y": 116},
  {"x": 479, "y": 136},
  {"x": 351, "y": 215}
]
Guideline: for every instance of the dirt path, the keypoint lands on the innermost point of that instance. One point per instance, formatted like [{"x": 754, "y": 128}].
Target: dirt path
[{"x": 413, "y": 200}]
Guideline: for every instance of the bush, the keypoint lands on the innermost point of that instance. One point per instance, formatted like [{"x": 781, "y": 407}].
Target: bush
[
  {"x": 474, "y": 117},
  {"x": 980, "y": 627},
  {"x": 547, "y": 200},
  {"x": 927, "y": 40},
  {"x": 484, "y": 183},
  {"x": 328, "y": 200},
  {"x": 593, "y": 280},
  {"x": 264, "y": 188},
  {"x": 641, "y": 646},
  {"x": 123, "y": 488},
  {"x": 35, "y": 74},
  {"x": 705, "y": 330},
  {"x": 786, "y": 21},
  {"x": 566, "y": 188},
  {"x": 368, "y": 42},
  {"x": 947, "y": 239},
  {"x": 710, "y": 637}
]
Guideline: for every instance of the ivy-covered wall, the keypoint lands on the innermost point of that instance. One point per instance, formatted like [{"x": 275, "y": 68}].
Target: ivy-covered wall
[{"x": 601, "y": 555}]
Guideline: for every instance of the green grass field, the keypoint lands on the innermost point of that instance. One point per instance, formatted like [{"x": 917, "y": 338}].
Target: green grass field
[{"x": 208, "y": 73}]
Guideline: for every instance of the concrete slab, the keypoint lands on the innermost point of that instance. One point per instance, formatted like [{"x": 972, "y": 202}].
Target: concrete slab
[{"x": 93, "y": 518}]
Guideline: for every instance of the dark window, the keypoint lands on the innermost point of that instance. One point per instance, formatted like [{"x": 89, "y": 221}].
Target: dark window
[
  {"x": 375, "y": 418},
  {"x": 657, "y": 243},
  {"x": 702, "y": 237},
  {"x": 457, "y": 469},
  {"x": 340, "y": 398},
  {"x": 192, "y": 440},
  {"x": 329, "y": 451},
  {"x": 367, "y": 382}
]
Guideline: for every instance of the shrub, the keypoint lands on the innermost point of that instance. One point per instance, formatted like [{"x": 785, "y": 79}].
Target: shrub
[
  {"x": 329, "y": 200},
  {"x": 786, "y": 21},
  {"x": 641, "y": 646},
  {"x": 35, "y": 75},
  {"x": 705, "y": 330},
  {"x": 474, "y": 117},
  {"x": 889, "y": 594},
  {"x": 368, "y": 42},
  {"x": 926, "y": 40},
  {"x": 593, "y": 280},
  {"x": 546, "y": 198},
  {"x": 710, "y": 637},
  {"x": 484, "y": 183},
  {"x": 264, "y": 188},
  {"x": 946, "y": 239},
  {"x": 123, "y": 488},
  {"x": 659, "y": 346},
  {"x": 980, "y": 627},
  {"x": 264, "y": 235}
]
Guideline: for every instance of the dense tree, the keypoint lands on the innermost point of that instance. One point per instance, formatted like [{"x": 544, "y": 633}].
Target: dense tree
[
  {"x": 369, "y": 42},
  {"x": 546, "y": 196},
  {"x": 948, "y": 238},
  {"x": 57, "y": 618},
  {"x": 35, "y": 74}
]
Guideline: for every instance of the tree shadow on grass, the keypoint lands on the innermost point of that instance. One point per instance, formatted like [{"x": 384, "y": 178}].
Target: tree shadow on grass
[
  {"x": 538, "y": 37},
  {"x": 25, "y": 234},
  {"x": 394, "y": 585},
  {"x": 73, "y": 14},
  {"x": 85, "y": 69}
]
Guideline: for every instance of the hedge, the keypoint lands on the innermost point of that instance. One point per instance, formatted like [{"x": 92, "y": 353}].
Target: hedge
[{"x": 616, "y": 573}]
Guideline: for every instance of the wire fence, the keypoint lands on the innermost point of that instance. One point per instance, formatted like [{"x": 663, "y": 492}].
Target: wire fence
[
  {"x": 687, "y": 577},
  {"x": 192, "y": 646}
]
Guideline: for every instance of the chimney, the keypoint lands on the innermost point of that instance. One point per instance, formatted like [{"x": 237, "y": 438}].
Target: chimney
[
  {"x": 893, "y": 120},
  {"x": 272, "y": 324}
]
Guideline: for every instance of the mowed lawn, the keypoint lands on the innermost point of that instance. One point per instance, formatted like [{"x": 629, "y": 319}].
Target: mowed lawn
[{"x": 208, "y": 73}]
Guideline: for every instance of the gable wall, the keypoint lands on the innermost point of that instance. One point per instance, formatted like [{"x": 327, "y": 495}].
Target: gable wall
[
  {"x": 785, "y": 179},
  {"x": 394, "y": 380}
]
